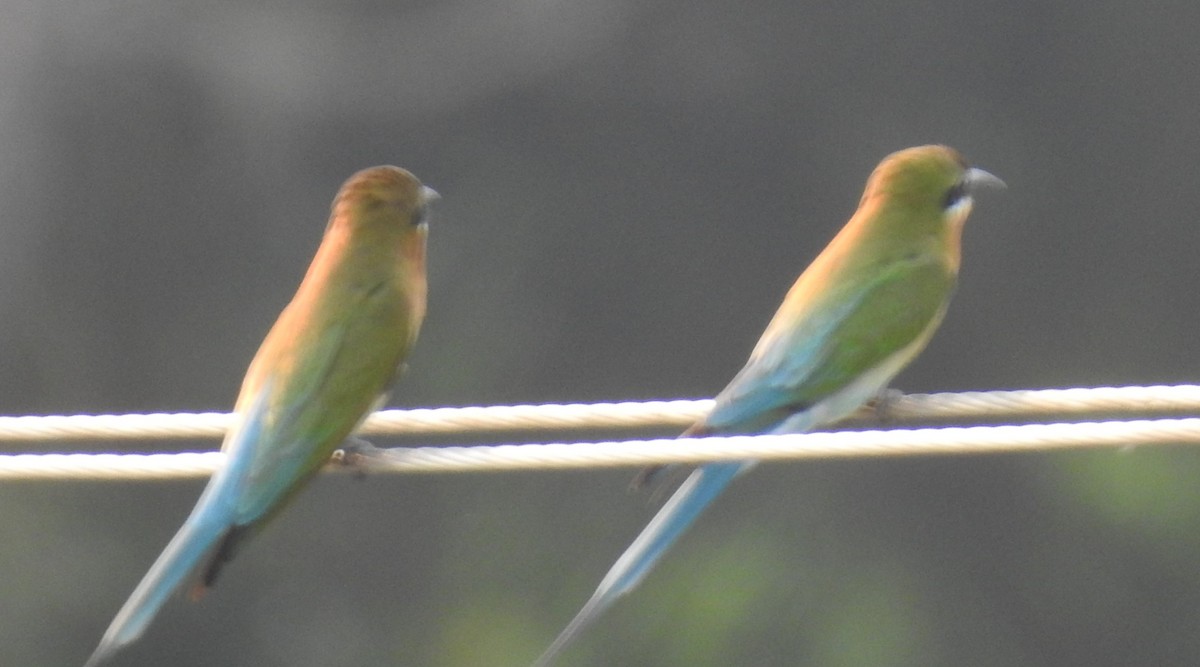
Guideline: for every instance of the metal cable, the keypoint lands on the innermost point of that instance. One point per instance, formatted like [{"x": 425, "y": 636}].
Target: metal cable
[{"x": 972, "y": 406}]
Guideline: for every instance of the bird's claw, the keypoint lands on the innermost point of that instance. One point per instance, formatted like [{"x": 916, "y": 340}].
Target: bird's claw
[
  {"x": 881, "y": 406},
  {"x": 357, "y": 454}
]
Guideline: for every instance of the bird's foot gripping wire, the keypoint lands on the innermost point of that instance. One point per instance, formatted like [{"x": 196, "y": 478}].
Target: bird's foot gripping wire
[
  {"x": 357, "y": 454},
  {"x": 881, "y": 408}
]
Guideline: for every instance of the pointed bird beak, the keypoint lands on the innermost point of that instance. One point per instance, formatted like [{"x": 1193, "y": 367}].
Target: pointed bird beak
[
  {"x": 429, "y": 196},
  {"x": 978, "y": 179}
]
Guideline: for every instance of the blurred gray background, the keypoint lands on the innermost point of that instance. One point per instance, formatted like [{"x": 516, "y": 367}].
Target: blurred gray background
[{"x": 629, "y": 189}]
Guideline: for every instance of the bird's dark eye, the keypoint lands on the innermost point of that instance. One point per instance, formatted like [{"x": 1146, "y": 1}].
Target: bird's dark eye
[
  {"x": 955, "y": 194},
  {"x": 421, "y": 215}
]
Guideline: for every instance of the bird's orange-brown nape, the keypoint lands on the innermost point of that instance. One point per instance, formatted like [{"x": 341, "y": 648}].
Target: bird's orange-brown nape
[
  {"x": 375, "y": 186},
  {"x": 919, "y": 174},
  {"x": 379, "y": 181}
]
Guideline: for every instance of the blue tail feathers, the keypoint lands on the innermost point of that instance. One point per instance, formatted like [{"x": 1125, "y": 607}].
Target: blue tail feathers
[
  {"x": 190, "y": 546},
  {"x": 675, "y": 517}
]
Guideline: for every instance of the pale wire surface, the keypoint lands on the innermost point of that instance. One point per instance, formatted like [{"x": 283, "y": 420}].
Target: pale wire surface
[{"x": 974, "y": 407}]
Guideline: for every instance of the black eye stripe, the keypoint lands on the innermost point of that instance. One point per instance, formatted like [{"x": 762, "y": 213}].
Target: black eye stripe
[
  {"x": 955, "y": 194},
  {"x": 422, "y": 215}
]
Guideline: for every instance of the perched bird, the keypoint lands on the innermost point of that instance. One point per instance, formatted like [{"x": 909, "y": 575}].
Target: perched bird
[
  {"x": 328, "y": 361},
  {"x": 860, "y": 313}
]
